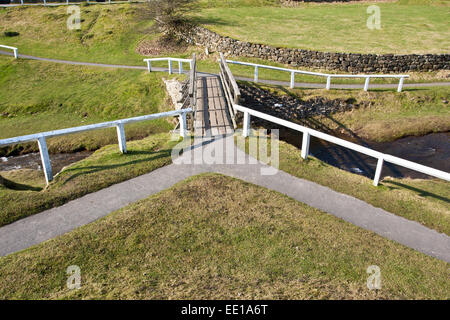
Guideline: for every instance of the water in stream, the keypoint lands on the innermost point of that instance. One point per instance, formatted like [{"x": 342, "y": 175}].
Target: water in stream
[
  {"x": 33, "y": 161},
  {"x": 432, "y": 150}
]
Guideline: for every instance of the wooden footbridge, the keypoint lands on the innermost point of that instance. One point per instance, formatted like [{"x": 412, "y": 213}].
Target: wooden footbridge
[{"x": 212, "y": 97}]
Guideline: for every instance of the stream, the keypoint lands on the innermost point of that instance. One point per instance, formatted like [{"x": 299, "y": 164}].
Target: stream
[
  {"x": 431, "y": 150},
  {"x": 33, "y": 161}
]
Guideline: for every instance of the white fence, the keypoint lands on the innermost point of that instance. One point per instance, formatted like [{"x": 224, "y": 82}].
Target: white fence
[
  {"x": 401, "y": 77},
  {"x": 307, "y": 133},
  {"x": 119, "y": 124},
  {"x": 169, "y": 60},
  {"x": 14, "y": 49}
]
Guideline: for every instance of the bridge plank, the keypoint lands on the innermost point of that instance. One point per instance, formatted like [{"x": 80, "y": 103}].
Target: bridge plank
[{"x": 211, "y": 116}]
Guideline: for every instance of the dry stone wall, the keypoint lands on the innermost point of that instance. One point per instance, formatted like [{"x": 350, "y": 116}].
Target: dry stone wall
[{"x": 348, "y": 62}]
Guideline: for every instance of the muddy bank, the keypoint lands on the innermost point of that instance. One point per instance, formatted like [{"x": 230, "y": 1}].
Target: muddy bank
[
  {"x": 33, "y": 161},
  {"x": 290, "y": 107}
]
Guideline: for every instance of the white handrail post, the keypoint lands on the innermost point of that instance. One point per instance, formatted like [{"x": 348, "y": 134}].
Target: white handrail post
[
  {"x": 376, "y": 179},
  {"x": 67, "y": 2},
  {"x": 256, "y": 74},
  {"x": 305, "y": 144},
  {"x": 246, "y": 131},
  {"x": 400, "y": 84},
  {"x": 15, "y": 53},
  {"x": 366, "y": 84},
  {"x": 180, "y": 67},
  {"x": 328, "y": 83},
  {"x": 170, "y": 65},
  {"x": 121, "y": 137},
  {"x": 45, "y": 158},
  {"x": 183, "y": 125},
  {"x": 21, "y": 1},
  {"x": 292, "y": 80},
  {"x": 45, "y": 2},
  {"x": 149, "y": 66}
]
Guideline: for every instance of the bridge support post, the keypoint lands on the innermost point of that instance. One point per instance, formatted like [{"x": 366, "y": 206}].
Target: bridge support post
[
  {"x": 45, "y": 158},
  {"x": 246, "y": 131},
  {"x": 183, "y": 125},
  {"x": 170, "y": 66},
  {"x": 305, "y": 145},
  {"x": 256, "y": 74},
  {"x": 149, "y": 66},
  {"x": 121, "y": 137},
  {"x": 180, "y": 67},
  {"x": 292, "y": 80},
  {"x": 376, "y": 179},
  {"x": 366, "y": 84},
  {"x": 15, "y": 53},
  {"x": 328, "y": 83},
  {"x": 400, "y": 84}
]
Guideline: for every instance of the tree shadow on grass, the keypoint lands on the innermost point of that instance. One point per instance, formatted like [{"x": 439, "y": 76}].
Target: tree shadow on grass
[
  {"x": 209, "y": 21},
  {"x": 160, "y": 154},
  {"x": 420, "y": 192}
]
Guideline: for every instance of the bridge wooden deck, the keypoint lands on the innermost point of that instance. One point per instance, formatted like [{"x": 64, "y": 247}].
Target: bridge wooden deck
[{"x": 211, "y": 115}]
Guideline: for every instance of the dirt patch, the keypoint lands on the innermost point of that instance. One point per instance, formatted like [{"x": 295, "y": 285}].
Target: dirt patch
[{"x": 160, "y": 46}]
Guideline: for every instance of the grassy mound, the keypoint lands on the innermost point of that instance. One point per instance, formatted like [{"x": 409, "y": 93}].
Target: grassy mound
[{"x": 217, "y": 237}]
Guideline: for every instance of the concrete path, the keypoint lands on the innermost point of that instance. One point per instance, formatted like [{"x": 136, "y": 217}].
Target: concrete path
[
  {"x": 57, "y": 221},
  {"x": 272, "y": 82}
]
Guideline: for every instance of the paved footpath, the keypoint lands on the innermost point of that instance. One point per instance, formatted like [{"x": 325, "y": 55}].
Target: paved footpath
[
  {"x": 272, "y": 82},
  {"x": 57, "y": 221}
]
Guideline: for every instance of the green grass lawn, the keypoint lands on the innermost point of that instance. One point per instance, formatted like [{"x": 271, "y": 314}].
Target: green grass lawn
[
  {"x": 387, "y": 115},
  {"x": 214, "y": 237},
  {"x": 48, "y": 96},
  {"x": 405, "y": 27},
  {"x": 23, "y": 192},
  {"x": 420, "y": 200}
]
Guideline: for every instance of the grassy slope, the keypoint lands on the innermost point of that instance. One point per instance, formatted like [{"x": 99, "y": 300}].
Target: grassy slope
[
  {"x": 337, "y": 27},
  {"x": 217, "y": 237},
  {"x": 387, "y": 116},
  {"x": 108, "y": 34},
  {"x": 415, "y": 199},
  {"x": 23, "y": 194},
  {"x": 50, "y": 96}
]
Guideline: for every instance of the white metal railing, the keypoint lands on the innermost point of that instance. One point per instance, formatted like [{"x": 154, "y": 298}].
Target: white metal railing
[
  {"x": 119, "y": 124},
  {"x": 169, "y": 60},
  {"x": 14, "y": 49},
  {"x": 307, "y": 133},
  {"x": 326, "y": 75}
]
